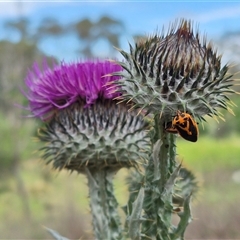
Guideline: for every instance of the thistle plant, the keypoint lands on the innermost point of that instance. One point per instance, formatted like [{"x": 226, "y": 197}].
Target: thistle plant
[
  {"x": 87, "y": 131},
  {"x": 165, "y": 75},
  {"x": 99, "y": 116}
]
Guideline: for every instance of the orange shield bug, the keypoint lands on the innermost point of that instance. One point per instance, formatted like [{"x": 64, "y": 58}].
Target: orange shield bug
[{"x": 185, "y": 126}]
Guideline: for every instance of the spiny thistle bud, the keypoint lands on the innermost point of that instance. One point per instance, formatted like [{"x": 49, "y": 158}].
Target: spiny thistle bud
[
  {"x": 85, "y": 127},
  {"x": 179, "y": 71}
]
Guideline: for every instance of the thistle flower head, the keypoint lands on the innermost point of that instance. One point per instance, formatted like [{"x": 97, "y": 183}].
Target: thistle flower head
[
  {"x": 104, "y": 135},
  {"x": 86, "y": 127},
  {"x": 176, "y": 71},
  {"x": 58, "y": 88}
]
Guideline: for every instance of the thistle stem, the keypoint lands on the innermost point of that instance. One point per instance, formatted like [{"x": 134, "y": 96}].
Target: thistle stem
[
  {"x": 158, "y": 185},
  {"x": 105, "y": 218},
  {"x": 172, "y": 152}
]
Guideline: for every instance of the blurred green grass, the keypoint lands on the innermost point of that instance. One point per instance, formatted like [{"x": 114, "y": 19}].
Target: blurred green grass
[{"x": 210, "y": 154}]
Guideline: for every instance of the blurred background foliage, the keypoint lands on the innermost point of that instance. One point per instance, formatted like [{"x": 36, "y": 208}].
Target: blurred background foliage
[{"x": 32, "y": 195}]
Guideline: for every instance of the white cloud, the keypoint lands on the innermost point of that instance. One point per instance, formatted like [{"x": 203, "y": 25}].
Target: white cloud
[
  {"x": 14, "y": 9},
  {"x": 25, "y": 7},
  {"x": 218, "y": 14}
]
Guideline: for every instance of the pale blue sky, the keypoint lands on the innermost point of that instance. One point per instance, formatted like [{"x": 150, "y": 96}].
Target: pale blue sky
[{"x": 139, "y": 17}]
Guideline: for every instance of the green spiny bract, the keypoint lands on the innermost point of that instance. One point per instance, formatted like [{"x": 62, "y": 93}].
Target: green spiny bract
[
  {"x": 186, "y": 185},
  {"x": 164, "y": 74},
  {"x": 104, "y": 135}
]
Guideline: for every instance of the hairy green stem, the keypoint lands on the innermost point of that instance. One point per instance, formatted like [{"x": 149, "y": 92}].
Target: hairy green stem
[
  {"x": 105, "y": 218},
  {"x": 159, "y": 184},
  {"x": 172, "y": 152}
]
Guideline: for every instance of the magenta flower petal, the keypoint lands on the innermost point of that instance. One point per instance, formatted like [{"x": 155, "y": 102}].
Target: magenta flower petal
[{"x": 57, "y": 88}]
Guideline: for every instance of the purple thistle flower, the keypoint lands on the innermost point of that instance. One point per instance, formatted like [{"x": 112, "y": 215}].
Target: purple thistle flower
[
  {"x": 85, "y": 125},
  {"x": 58, "y": 88}
]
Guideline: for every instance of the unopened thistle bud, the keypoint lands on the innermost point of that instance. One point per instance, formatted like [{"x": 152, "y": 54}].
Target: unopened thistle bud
[
  {"x": 84, "y": 126},
  {"x": 175, "y": 72}
]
